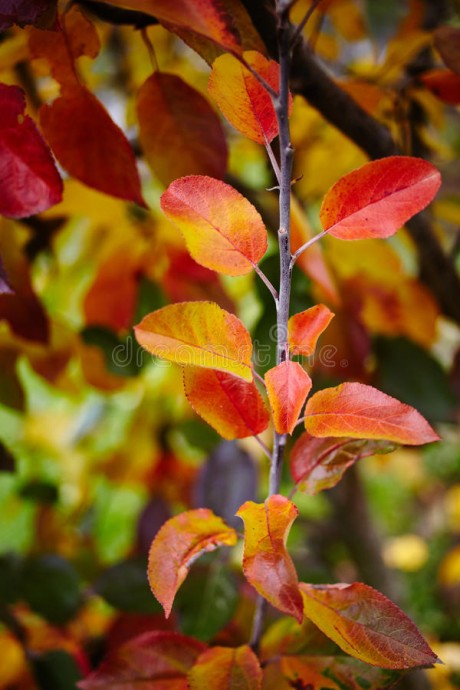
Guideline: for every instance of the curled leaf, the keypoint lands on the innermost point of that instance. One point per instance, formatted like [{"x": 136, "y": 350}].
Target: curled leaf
[
  {"x": 319, "y": 463},
  {"x": 266, "y": 562},
  {"x": 242, "y": 98},
  {"x": 179, "y": 542}
]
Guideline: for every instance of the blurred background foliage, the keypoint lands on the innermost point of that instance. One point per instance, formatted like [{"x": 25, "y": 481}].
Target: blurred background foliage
[{"x": 98, "y": 444}]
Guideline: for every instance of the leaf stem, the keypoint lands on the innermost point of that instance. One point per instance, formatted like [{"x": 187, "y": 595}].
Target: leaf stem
[
  {"x": 305, "y": 246},
  {"x": 273, "y": 161},
  {"x": 300, "y": 27},
  {"x": 267, "y": 282},
  {"x": 263, "y": 446}
]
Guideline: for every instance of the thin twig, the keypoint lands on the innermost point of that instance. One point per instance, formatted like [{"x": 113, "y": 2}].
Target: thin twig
[
  {"x": 259, "y": 378},
  {"x": 301, "y": 26},
  {"x": 255, "y": 74},
  {"x": 267, "y": 282},
  {"x": 273, "y": 161},
  {"x": 263, "y": 446},
  {"x": 305, "y": 246},
  {"x": 150, "y": 49}
]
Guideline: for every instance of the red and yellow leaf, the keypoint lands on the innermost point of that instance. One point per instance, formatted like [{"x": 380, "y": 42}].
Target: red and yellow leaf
[
  {"x": 210, "y": 19},
  {"x": 366, "y": 625},
  {"x": 444, "y": 84},
  {"x": 242, "y": 98},
  {"x": 360, "y": 411},
  {"x": 155, "y": 659},
  {"x": 305, "y": 328},
  {"x": 378, "y": 198},
  {"x": 179, "y": 131},
  {"x": 91, "y": 147},
  {"x": 266, "y": 562},
  {"x": 200, "y": 334},
  {"x": 319, "y": 463},
  {"x": 222, "y": 229},
  {"x": 222, "y": 668},
  {"x": 447, "y": 42},
  {"x": 29, "y": 180},
  {"x": 233, "y": 407},
  {"x": 180, "y": 541},
  {"x": 288, "y": 385}
]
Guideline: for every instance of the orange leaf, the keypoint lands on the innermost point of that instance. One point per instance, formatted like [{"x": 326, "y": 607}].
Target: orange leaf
[
  {"x": 222, "y": 229},
  {"x": 180, "y": 541},
  {"x": 366, "y": 625},
  {"x": 222, "y": 668},
  {"x": 378, "y": 198},
  {"x": 155, "y": 659},
  {"x": 266, "y": 562},
  {"x": 199, "y": 334},
  {"x": 305, "y": 328},
  {"x": 233, "y": 407},
  {"x": 287, "y": 386},
  {"x": 360, "y": 411},
  {"x": 241, "y": 97},
  {"x": 444, "y": 84},
  {"x": 179, "y": 131},
  {"x": 90, "y": 146},
  {"x": 319, "y": 463},
  {"x": 447, "y": 42},
  {"x": 209, "y": 19}
]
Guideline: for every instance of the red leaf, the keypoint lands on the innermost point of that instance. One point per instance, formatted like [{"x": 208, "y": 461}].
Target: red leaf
[
  {"x": 444, "y": 84},
  {"x": 242, "y": 98},
  {"x": 378, "y": 198},
  {"x": 207, "y": 18},
  {"x": 366, "y": 625},
  {"x": 305, "y": 328},
  {"x": 266, "y": 562},
  {"x": 287, "y": 386},
  {"x": 29, "y": 180},
  {"x": 180, "y": 541},
  {"x": 198, "y": 334},
  {"x": 159, "y": 660},
  {"x": 319, "y": 463},
  {"x": 179, "y": 131},
  {"x": 22, "y": 12},
  {"x": 232, "y": 406},
  {"x": 360, "y": 411},
  {"x": 90, "y": 146},
  {"x": 222, "y": 668},
  {"x": 222, "y": 229}
]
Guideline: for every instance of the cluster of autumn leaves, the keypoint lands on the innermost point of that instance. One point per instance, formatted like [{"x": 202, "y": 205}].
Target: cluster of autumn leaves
[{"x": 224, "y": 232}]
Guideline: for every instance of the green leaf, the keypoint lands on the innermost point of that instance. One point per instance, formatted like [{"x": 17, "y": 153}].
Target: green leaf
[
  {"x": 207, "y": 601},
  {"x": 125, "y": 587},
  {"x": 409, "y": 373},
  {"x": 51, "y": 587},
  {"x": 56, "y": 670}
]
